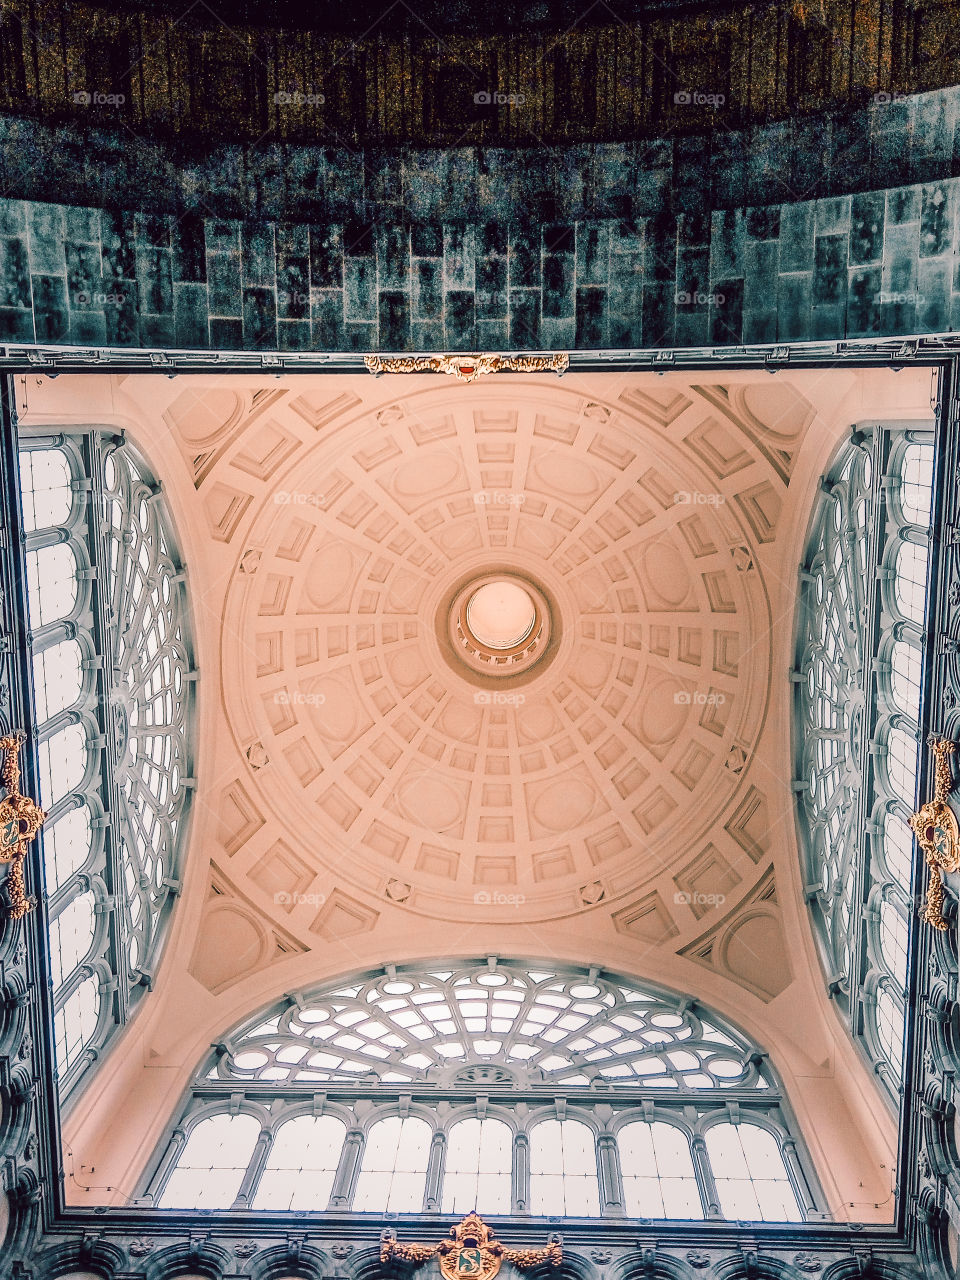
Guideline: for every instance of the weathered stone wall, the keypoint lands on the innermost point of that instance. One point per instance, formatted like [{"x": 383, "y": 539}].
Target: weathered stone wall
[{"x": 442, "y": 250}]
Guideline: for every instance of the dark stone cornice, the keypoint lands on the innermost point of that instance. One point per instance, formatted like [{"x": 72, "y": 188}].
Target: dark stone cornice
[{"x": 413, "y": 73}]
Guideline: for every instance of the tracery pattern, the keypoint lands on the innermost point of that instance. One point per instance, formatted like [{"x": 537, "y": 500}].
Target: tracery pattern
[
  {"x": 496, "y": 1084},
  {"x": 528, "y": 1026},
  {"x": 859, "y": 674},
  {"x": 113, "y": 695}
]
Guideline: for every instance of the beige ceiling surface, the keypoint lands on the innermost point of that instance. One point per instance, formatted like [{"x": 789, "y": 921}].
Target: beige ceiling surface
[
  {"x": 407, "y": 776},
  {"x": 364, "y": 796}
]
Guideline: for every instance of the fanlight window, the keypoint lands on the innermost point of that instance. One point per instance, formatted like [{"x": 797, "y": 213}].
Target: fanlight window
[
  {"x": 406, "y": 1029},
  {"x": 113, "y": 691},
  {"x": 490, "y": 1086},
  {"x": 859, "y": 678}
]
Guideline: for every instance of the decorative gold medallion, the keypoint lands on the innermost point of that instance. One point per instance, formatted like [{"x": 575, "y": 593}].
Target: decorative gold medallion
[
  {"x": 20, "y": 820},
  {"x": 938, "y": 834},
  {"x": 471, "y": 1253},
  {"x": 467, "y": 368}
]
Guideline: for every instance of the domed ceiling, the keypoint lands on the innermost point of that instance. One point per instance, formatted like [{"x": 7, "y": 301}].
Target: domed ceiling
[
  {"x": 493, "y": 669},
  {"x": 550, "y": 777}
]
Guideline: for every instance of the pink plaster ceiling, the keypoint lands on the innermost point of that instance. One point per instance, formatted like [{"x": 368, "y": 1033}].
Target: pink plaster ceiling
[
  {"x": 394, "y": 758},
  {"x": 365, "y": 795}
]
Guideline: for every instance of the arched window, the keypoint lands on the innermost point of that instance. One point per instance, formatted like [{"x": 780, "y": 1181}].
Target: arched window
[
  {"x": 51, "y": 584},
  {"x": 393, "y": 1175},
  {"x": 657, "y": 1169},
  {"x": 563, "y": 1169},
  {"x": 303, "y": 1161},
  {"x": 210, "y": 1170},
  {"x": 492, "y": 1086},
  {"x": 859, "y": 680},
  {"x": 910, "y": 564},
  {"x": 76, "y": 1021},
  {"x": 750, "y": 1173},
  {"x": 478, "y": 1166},
  {"x": 112, "y": 688}
]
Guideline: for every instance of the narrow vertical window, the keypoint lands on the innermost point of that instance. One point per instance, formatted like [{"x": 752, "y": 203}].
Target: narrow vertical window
[
  {"x": 657, "y": 1170},
  {"x": 563, "y": 1169},
  {"x": 393, "y": 1172},
  {"x": 477, "y": 1173}
]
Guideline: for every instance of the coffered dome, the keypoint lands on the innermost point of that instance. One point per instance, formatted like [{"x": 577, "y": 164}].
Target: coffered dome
[{"x": 502, "y": 651}]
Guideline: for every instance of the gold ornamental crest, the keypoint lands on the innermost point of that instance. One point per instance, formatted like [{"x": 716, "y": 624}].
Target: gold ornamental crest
[
  {"x": 938, "y": 834},
  {"x": 471, "y": 1253},
  {"x": 20, "y": 820}
]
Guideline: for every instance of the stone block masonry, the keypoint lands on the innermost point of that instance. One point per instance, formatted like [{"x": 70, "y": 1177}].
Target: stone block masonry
[{"x": 875, "y": 263}]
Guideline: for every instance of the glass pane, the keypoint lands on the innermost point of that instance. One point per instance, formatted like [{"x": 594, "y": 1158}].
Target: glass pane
[
  {"x": 66, "y": 846},
  {"x": 893, "y": 942},
  {"x": 751, "y": 1177},
  {"x": 57, "y": 679},
  {"x": 479, "y": 1163},
  {"x": 911, "y": 581},
  {"x": 916, "y": 473},
  {"x": 907, "y": 672},
  {"x": 71, "y": 937},
  {"x": 393, "y": 1172},
  {"x": 220, "y": 1145},
  {"x": 74, "y": 1025},
  {"x": 303, "y": 1162},
  {"x": 658, "y": 1175},
  {"x": 890, "y": 1027},
  {"x": 51, "y": 583},
  {"x": 898, "y": 848},
  {"x": 563, "y": 1169},
  {"x": 63, "y": 762},
  {"x": 45, "y": 487},
  {"x": 903, "y": 760}
]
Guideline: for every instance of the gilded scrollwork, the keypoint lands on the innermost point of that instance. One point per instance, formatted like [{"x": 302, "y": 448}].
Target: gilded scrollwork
[
  {"x": 20, "y": 820},
  {"x": 467, "y": 368},
  {"x": 938, "y": 835}
]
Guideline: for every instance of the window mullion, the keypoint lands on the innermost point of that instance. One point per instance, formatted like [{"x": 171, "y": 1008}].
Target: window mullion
[
  {"x": 611, "y": 1182},
  {"x": 521, "y": 1173},
  {"x": 434, "y": 1183},
  {"x": 797, "y": 1177},
  {"x": 251, "y": 1179},
  {"x": 345, "y": 1181},
  {"x": 113, "y": 871},
  {"x": 168, "y": 1163},
  {"x": 705, "y": 1178}
]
